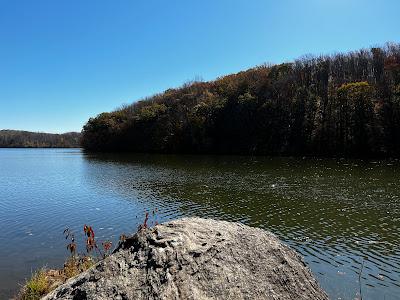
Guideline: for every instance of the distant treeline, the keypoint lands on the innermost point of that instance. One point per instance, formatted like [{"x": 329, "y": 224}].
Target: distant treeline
[
  {"x": 338, "y": 105},
  {"x": 26, "y": 139}
]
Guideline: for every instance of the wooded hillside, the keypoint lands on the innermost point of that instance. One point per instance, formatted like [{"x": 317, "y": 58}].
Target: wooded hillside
[
  {"x": 26, "y": 139},
  {"x": 338, "y": 105}
]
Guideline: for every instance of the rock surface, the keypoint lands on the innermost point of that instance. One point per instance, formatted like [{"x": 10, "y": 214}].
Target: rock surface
[{"x": 195, "y": 258}]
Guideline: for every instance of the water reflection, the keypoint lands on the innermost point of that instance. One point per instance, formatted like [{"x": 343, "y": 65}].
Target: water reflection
[{"x": 337, "y": 213}]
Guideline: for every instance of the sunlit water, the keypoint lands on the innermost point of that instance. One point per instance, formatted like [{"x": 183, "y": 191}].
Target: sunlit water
[{"x": 339, "y": 214}]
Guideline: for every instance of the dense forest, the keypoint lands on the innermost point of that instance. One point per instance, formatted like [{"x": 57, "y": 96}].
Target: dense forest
[
  {"x": 336, "y": 105},
  {"x": 26, "y": 139}
]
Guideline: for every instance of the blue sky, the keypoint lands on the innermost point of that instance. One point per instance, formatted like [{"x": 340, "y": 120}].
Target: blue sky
[{"x": 62, "y": 62}]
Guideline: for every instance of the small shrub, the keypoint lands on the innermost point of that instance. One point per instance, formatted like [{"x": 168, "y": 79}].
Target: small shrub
[{"x": 44, "y": 281}]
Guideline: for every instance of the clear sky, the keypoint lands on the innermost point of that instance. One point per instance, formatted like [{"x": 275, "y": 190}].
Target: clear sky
[{"x": 62, "y": 62}]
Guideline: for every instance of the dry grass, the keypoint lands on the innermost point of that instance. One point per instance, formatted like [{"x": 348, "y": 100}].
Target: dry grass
[
  {"x": 45, "y": 280},
  {"x": 36, "y": 287},
  {"x": 74, "y": 266}
]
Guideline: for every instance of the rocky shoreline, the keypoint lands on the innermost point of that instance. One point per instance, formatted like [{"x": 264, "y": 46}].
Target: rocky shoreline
[{"x": 194, "y": 258}]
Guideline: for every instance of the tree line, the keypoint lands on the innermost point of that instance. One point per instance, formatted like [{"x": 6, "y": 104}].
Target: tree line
[
  {"x": 26, "y": 139},
  {"x": 337, "y": 105}
]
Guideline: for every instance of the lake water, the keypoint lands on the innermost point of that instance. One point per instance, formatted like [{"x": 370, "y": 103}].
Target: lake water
[{"x": 339, "y": 214}]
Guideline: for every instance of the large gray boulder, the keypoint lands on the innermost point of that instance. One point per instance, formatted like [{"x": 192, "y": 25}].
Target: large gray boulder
[{"x": 195, "y": 258}]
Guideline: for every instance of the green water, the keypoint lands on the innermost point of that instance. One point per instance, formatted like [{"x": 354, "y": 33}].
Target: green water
[{"x": 339, "y": 214}]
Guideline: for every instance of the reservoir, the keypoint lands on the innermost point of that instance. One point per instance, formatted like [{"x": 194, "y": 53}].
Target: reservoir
[{"x": 342, "y": 215}]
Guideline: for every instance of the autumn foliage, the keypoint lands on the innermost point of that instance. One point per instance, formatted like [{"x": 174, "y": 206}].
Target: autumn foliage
[{"x": 339, "y": 105}]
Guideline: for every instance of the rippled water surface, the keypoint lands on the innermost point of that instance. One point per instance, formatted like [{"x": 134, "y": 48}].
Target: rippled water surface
[{"x": 339, "y": 214}]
